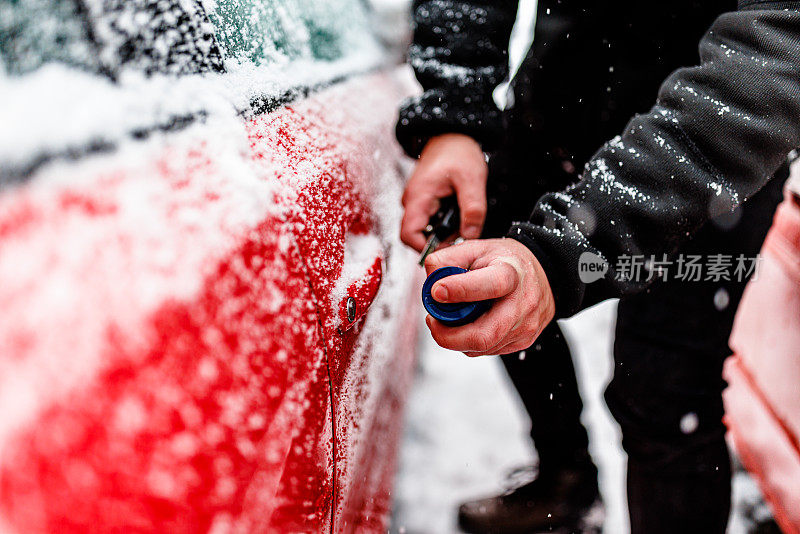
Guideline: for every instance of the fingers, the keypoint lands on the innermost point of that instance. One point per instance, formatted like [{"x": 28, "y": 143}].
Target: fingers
[
  {"x": 449, "y": 163},
  {"x": 463, "y": 255},
  {"x": 492, "y": 282},
  {"x": 471, "y": 195},
  {"x": 489, "y": 331},
  {"x": 505, "y": 271},
  {"x": 419, "y": 206},
  {"x": 520, "y": 342}
]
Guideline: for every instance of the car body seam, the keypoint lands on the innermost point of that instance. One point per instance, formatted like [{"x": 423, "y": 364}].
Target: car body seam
[{"x": 315, "y": 301}]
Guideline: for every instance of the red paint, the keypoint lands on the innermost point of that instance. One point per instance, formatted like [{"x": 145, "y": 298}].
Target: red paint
[
  {"x": 193, "y": 377},
  {"x": 363, "y": 292},
  {"x": 142, "y": 445},
  {"x": 762, "y": 401},
  {"x": 91, "y": 206}
]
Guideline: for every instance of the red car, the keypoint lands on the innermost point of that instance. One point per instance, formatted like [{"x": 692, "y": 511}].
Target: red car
[
  {"x": 762, "y": 401},
  {"x": 208, "y": 320}
]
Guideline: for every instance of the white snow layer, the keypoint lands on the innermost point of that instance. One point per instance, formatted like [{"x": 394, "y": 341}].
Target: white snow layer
[{"x": 466, "y": 430}]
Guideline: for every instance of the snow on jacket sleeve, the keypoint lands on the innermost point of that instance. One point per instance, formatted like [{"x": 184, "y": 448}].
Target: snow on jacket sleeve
[
  {"x": 716, "y": 135},
  {"x": 459, "y": 55}
]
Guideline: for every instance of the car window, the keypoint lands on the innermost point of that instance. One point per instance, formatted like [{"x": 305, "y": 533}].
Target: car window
[
  {"x": 273, "y": 31},
  {"x": 35, "y": 32},
  {"x": 151, "y": 36},
  {"x": 164, "y": 36}
]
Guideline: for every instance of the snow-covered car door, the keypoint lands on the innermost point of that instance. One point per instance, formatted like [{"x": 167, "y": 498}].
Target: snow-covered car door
[
  {"x": 162, "y": 366},
  {"x": 365, "y": 282},
  {"x": 343, "y": 183},
  {"x": 163, "y": 362}
]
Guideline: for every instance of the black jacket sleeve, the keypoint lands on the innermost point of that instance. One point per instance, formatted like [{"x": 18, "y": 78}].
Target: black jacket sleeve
[
  {"x": 459, "y": 55},
  {"x": 717, "y": 134}
]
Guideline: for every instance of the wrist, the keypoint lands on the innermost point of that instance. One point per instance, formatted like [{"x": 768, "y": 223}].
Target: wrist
[
  {"x": 451, "y": 138},
  {"x": 548, "y": 267}
]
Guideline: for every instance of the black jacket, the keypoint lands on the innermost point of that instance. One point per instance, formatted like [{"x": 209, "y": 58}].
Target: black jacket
[{"x": 717, "y": 133}]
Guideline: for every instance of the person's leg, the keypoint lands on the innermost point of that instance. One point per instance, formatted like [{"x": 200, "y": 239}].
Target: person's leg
[
  {"x": 666, "y": 391},
  {"x": 544, "y": 378},
  {"x": 565, "y": 488},
  {"x": 667, "y": 400},
  {"x": 543, "y": 375}
]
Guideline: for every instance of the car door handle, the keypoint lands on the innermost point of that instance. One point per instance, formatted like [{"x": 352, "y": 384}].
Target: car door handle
[
  {"x": 362, "y": 273},
  {"x": 359, "y": 296}
]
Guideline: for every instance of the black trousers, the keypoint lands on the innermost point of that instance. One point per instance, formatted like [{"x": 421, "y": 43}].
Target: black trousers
[{"x": 669, "y": 348}]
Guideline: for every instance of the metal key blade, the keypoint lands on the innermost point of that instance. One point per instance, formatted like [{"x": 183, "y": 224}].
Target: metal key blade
[
  {"x": 433, "y": 243},
  {"x": 442, "y": 225}
]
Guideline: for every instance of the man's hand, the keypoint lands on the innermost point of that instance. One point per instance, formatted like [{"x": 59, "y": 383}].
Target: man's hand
[
  {"x": 501, "y": 269},
  {"x": 450, "y": 163}
]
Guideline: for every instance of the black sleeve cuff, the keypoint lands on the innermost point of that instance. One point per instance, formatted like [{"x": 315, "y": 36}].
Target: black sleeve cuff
[
  {"x": 432, "y": 114},
  {"x": 567, "y": 288}
]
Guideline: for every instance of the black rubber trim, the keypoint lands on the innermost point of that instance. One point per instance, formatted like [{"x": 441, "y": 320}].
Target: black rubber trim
[
  {"x": 10, "y": 175},
  {"x": 14, "y": 175}
]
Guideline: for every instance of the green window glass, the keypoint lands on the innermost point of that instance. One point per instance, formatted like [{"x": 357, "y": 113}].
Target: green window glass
[
  {"x": 273, "y": 31},
  {"x": 151, "y": 36}
]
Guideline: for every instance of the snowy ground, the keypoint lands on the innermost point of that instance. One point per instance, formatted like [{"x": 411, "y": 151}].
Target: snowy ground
[{"x": 466, "y": 430}]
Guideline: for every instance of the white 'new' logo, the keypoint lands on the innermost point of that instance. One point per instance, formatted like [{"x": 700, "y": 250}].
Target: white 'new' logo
[{"x": 591, "y": 267}]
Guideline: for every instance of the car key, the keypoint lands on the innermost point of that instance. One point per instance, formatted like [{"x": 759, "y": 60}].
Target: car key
[{"x": 442, "y": 225}]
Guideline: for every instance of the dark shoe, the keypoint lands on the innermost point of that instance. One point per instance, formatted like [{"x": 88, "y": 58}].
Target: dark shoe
[{"x": 564, "y": 502}]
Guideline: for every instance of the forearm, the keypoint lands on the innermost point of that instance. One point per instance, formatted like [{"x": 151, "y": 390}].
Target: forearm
[
  {"x": 717, "y": 133},
  {"x": 459, "y": 55}
]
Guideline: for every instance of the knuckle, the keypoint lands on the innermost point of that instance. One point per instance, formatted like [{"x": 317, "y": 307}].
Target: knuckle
[
  {"x": 432, "y": 261},
  {"x": 406, "y": 236},
  {"x": 509, "y": 278},
  {"x": 408, "y": 191},
  {"x": 436, "y": 334},
  {"x": 405, "y": 223},
  {"x": 487, "y": 338},
  {"x": 532, "y": 331},
  {"x": 447, "y": 169},
  {"x": 479, "y": 341},
  {"x": 436, "y": 337},
  {"x": 411, "y": 191}
]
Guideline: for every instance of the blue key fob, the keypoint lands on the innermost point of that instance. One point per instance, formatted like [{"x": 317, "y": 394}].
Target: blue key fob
[{"x": 451, "y": 314}]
